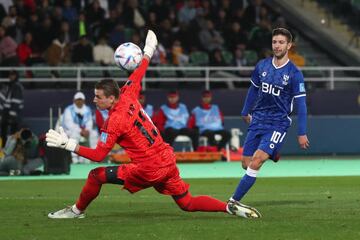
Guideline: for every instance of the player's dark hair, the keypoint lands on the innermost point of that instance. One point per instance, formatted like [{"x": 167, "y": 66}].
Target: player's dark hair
[
  {"x": 284, "y": 32},
  {"x": 109, "y": 86}
]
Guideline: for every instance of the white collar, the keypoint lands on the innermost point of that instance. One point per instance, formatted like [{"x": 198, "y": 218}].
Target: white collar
[{"x": 273, "y": 63}]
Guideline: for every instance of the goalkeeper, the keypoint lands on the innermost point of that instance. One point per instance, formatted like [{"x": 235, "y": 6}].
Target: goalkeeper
[{"x": 153, "y": 161}]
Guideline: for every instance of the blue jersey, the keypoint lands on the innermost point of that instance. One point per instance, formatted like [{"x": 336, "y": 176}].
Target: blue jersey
[{"x": 277, "y": 89}]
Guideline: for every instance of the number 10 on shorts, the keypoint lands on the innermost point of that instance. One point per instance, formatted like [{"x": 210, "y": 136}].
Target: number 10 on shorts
[{"x": 277, "y": 137}]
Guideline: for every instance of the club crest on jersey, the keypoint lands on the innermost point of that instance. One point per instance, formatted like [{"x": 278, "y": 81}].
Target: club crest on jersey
[
  {"x": 285, "y": 79},
  {"x": 264, "y": 74},
  {"x": 103, "y": 137}
]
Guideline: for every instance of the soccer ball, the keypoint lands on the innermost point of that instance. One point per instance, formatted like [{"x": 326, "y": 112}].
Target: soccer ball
[{"x": 128, "y": 56}]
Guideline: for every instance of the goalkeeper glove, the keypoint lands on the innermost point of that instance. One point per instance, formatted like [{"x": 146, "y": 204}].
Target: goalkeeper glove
[
  {"x": 150, "y": 44},
  {"x": 60, "y": 140}
]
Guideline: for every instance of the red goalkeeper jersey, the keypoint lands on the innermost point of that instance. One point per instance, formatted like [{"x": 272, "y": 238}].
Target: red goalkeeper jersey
[{"x": 130, "y": 127}]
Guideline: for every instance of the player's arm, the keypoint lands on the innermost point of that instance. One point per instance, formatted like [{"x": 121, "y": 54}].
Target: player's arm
[
  {"x": 300, "y": 104},
  {"x": 249, "y": 103},
  {"x": 61, "y": 140},
  {"x": 149, "y": 49},
  {"x": 251, "y": 94}
]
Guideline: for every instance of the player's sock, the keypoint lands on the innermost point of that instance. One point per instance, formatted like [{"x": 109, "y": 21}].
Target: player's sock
[
  {"x": 92, "y": 187},
  {"x": 75, "y": 209},
  {"x": 245, "y": 184},
  {"x": 201, "y": 203}
]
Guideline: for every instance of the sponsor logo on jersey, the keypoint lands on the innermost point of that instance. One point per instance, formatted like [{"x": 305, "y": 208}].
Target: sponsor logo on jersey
[
  {"x": 301, "y": 87},
  {"x": 264, "y": 74},
  {"x": 103, "y": 137},
  {"x": 270, "y": 89}
]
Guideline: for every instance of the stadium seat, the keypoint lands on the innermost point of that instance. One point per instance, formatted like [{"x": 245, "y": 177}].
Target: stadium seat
[
  {"x": 118, "y": 73},
  {"x": 199, "y": 58},
  {"x": 93, "y": 73},
  {"x": 167, "y": 73},
  {"x": 67, "y": 73},
  {"x": 251, "y": 57},
  {"x": 185, "y": 141},
  {"x": 193, "y": 73},
  {"x": 42, "y": 73},
  {"x": 228, "y": 56}
]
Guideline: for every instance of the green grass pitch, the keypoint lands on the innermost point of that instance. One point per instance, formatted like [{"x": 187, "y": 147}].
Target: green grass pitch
[{"x": 293, "y": 208}]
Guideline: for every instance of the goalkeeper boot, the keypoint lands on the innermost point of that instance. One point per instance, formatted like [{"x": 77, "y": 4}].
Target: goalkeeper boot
[
  {"x": 67, "y": 212},
  {"x": 236, "y": 208}
]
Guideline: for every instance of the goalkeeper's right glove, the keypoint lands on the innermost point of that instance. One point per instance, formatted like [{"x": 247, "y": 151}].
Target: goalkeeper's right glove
[
  {"x": 150, "y": 44},
  {"x": 60, "y": 140}
]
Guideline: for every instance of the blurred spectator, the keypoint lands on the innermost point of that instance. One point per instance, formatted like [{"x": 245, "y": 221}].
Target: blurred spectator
[
  {"x": 160, "y": 9},
  {"x": 46, "y": 34},
  {"x": 111, "y": 22},
  {"x": 117, "y": 36},
  {"x": 239, "y": 58},
  {"x": 217, "y": 59},
  {"x": 103, "y": 53},
  {"x": 222, "y": 21},
  {"x": 235, "y": 36},
  {"x": 82, "y": 51},
  {"x": 260, "y": 36},
  {"x": 81, "y": 27},
  {"x": 95, "y": 16},
  {"x": 77, "y": 122},
  {"x": 159, "y": 56},
  {"x": 252, "y": 13},
  {"x": 210, "y": 38},
  {"x": 24, "y": 50},
  {"x": 172, "y": 119},
  {"x": 21, "y": 154},
  {"x": 11, "y": 105},
  {"x": 295, "y": 57},
  {"x": 187, "y": 12},
  {"x": 148, "y": 108},
  {"x": 133, "y": 15},
  {"x": 58, "y": 52},
  {"x": 9, "y": 20},
  {"x": 179, "y": 58},
  {"x": 166, "y": 34},
  {"x": 65, "y": 33},
  {"x": 8, "y": 46},
  {"x": 209, "y": 119},
  {"x": 69, "y": 12}
]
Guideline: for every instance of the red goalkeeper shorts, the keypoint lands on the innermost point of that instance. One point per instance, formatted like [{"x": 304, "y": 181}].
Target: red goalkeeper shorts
[{"x": 166, "y": 180}]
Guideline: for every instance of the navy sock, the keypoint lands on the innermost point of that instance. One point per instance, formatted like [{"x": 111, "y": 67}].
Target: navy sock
[{"x": 245, "y": 184}]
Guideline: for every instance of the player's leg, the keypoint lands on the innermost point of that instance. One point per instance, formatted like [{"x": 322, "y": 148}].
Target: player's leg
[
  {"x": 204, "y": 203},
  {"x": 169, "y": 135},
  {"x": 270, "y": 144},
  {"x": 251, "y": 144},
  {"x": 248, "y": 180},
  {"x": 225, "y": 137},
  {"x": 193, "y": 134},
  {"x": 96, "y": 178}
]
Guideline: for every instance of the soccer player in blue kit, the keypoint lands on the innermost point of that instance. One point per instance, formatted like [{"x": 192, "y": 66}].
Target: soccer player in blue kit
[{"x": 276, "y": 85}]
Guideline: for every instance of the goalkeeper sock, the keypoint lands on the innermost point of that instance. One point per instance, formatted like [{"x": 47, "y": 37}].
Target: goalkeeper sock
[
  {"x": 96, "y": 178},
  {"x": 245, "y": 184},
  {"x": 200, "y": 203}
]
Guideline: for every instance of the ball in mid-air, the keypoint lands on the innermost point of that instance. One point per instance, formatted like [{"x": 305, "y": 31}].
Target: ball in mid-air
[{"x": 128, "y": 56}]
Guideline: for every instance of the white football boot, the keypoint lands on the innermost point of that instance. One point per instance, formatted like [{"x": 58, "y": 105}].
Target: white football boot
[
  {"x": 65, "y": 213},
  {"x": 236, "y": 208}
]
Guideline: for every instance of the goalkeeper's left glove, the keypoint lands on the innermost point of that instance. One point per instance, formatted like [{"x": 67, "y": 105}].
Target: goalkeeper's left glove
[
  {"x": 60, "y": 140},
  {"x": 150, "y": 44}
]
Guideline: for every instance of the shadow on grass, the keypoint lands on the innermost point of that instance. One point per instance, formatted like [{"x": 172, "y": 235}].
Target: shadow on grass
[{"x": 280, "y": 203}]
